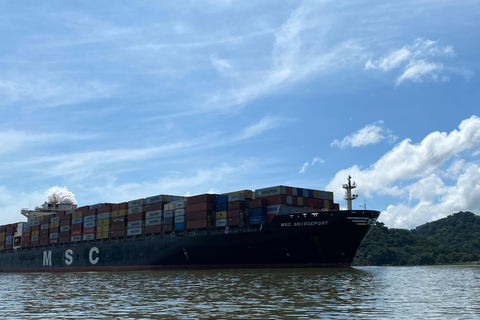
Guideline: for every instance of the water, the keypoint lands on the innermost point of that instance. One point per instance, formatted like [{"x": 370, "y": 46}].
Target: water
[{"x": 440, "y": 292}]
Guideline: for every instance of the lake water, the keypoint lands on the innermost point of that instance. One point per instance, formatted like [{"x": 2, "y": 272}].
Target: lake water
[{"x": 437, "y": 292}]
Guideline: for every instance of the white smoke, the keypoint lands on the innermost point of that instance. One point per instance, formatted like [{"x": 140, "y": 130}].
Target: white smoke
[{"x": 60, "y": 195}]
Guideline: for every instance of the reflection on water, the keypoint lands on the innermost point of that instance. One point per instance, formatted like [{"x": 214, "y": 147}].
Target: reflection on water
[{"x": 447, "y": 292}]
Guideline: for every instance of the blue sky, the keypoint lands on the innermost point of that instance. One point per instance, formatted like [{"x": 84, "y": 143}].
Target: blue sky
[{"x": 128, "y": 101}]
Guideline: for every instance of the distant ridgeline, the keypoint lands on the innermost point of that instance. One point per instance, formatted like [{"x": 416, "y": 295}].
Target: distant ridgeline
[{"x": 454, "y": 239}]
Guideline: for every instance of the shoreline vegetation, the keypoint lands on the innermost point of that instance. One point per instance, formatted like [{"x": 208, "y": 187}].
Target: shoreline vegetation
[{"x": 453, "y": 240}]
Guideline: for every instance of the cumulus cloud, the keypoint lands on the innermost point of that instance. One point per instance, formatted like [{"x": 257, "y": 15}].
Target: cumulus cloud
[
  {"x": 307, "y": 164},
  {"x": 414, "y": 172},
  {"x": 370, "y": 134},
  {"x": 415, "y": 61}
]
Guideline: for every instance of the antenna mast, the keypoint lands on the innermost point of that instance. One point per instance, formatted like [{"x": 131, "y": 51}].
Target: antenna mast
[{"x": 348, "y": 192}]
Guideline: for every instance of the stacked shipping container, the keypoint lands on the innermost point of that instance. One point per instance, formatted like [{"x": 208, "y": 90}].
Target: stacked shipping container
[{"x": 161, "y": 214}]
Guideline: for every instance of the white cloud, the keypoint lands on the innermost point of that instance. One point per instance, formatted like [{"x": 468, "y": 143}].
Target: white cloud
[
  {"x": 370, "y": 134},
  {"x": 418, "y": 69},
  {"x": 422, "y": 163},
  {"x": 268, "y": 122},
  {"x": 415, "y": 57},
  {"x": 223, "y": 67},
  {"x": 307, "y": 164}
]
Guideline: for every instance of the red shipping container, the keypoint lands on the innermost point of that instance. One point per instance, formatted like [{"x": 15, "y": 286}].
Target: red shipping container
[
  {"x": 64, "y": 239},
  {"x": 84, "y": 208},
  {"x": 65, "y": 234},
  {"x": 117, "y": 226},
  {"x": 153, "y": 229},
  {"x": 90, "y": 212},
  {"x": 115, "y": 207},
  {"x": 204, "y": 206},
  {"x": 235, "y": 213},
  {"x": 26, "y": 235},
  {"x": 53, "y": 241},
  {"x": 288, "y": 191},
  {"x": 197, "y": 224},
  {"x": 136, "y": 216},
  {"x": 168, "y": 228},
  {"x": 237, "y": 221},
  {"x": 199, "y": 215},
  {"x": 34, "y": 243},
  {"x": 278, "y": 199},
  {"x": 55, "y": 230},
  {"x": 76, "y": 232},
  {"x": 35, "y": 228},
  {"x": 106, "y": 208},
  {"x": 236, "y": 205},
  {"x": 202, "y": 198},
  {"x": 77, "y": 226},
  {"x": 89, "y": 230},
  {"x": 270, "y": 217},
  {"x": 154, "y": 206},
  {"x": 118, "y": 220},
  {"x": 123, "y": 205},
  {"x": 64, "y": 223},
  {"x": 44, "y": 232},
  {"x": 258, "y": 203},
  {"x": 117, "y": 233}
]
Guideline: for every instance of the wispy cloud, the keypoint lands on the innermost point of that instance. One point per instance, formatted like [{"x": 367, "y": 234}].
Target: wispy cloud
[
  {"x": 268, "y": 122},
  {"x": 308, "y": 164},
  {"x": 370, "y": 134},
  {"x": 415, "y": 58}
]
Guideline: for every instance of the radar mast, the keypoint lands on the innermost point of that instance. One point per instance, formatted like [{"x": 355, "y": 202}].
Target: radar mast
[{"x": 349, "y": 196}]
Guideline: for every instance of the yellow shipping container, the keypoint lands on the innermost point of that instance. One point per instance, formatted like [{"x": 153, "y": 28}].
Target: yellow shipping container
[
  {"x": 55, "y": 224},
  {"x": 119, "y": 213},
  {"x": 326, "y": 204},
  {"x": 78, "y": 214},
  {"x": 221, "y": 215},
  {"x": 102, "y": 235},
  {"x": 2, "y": 247},
  {"x": 330, "y": 196},
  {"x": 35, "y": 233},
  {"x": 248, "y": 193},
  {"x": 103, "y": 222},
  {"x": 103, "y": 229},
  {"x": 300, "y": 201},
  {"x": 316, "y": 194}
]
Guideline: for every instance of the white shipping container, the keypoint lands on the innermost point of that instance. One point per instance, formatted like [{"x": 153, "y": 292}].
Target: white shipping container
[
  {"x": 153, "y": 222},
  {"x": 89, "y": 218},
  {"x": 272, "y": 191},
  {"x": 137, "y": 209},
  {"x": 34, "y": 238},
  {"x": 168, "y": 214},
  {"x": 77, "y": 220},
  {"x": 55, "y": 219},
  {"x": 180, "y": 212},
  {"x": 103, "y": 215},
  {"x": 35, "y": 223},
  {"x": 221, "y": 222},
  {"x": 75, "y": 238},
  {"x": 153, "y": 214},
  {"x": 273, "y": 209},
  {"x": 134, "y": 232},
  {"x": 305, "y": 193},
  {"x": 236, "y": 197},
  {"x": 179, "y": 219},
  {"x": 90, "y": 236},
  {"x": 156, "y": 199},
  {"x": 136, "y": 203},
  {"x": 135, "y": 224},
  {"x": 90, "y": 224},
  {"x": 64, "y": 228},
  {"x": 180, "y": 204},
  {"x": 54, "y": 235}
]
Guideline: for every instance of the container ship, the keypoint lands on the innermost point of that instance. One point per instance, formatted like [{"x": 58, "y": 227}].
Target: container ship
[{"x": 273, "y": 227}]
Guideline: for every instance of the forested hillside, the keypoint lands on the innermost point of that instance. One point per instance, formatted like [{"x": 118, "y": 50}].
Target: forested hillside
[{"x": 454, "y": 239}]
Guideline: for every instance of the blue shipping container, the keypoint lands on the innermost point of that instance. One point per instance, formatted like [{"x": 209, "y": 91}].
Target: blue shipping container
[
  {"x": 178, "y": 226},
  {"x": 256, "y": 212},
  {"x": 221, "y": 199},
  {"x": 221, "y": 206},
  {"x": 257, "y": 220},
  {"x": 310, "y": 193}
]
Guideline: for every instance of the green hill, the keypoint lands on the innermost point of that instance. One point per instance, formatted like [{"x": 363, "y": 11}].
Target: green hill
[{"x": 451, "y": 240}]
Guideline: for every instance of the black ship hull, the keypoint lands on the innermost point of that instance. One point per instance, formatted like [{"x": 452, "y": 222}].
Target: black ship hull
[{"x": 312, "y": 239}]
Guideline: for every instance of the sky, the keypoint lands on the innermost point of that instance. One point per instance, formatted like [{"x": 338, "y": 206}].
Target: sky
[{"x": 126, "y": 101}]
